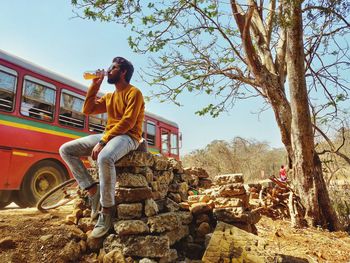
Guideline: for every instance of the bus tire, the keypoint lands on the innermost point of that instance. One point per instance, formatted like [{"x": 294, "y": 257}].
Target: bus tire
[
  {"x": 5, "y": 198},
  {"x": 40, "y": 179}
]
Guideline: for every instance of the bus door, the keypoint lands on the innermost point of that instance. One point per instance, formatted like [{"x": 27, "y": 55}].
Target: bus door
[
  {"x": 165, "y": 141},
  {"x": 5, "y": 156}
]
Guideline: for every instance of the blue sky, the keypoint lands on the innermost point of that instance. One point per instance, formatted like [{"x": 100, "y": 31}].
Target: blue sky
[{"x": 45, "y": 33}]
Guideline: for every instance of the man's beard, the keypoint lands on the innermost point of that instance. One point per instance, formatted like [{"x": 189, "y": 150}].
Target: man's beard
[{"x": 114, "y": 80}]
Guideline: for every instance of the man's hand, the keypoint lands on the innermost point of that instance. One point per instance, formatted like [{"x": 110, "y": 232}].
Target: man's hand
[
  {"x": 98, "y": 81},
  {"x": 98, "y": 147}
]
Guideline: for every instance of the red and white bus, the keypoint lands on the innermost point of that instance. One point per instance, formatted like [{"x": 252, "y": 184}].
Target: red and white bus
[{"x": 39, "y": 111}]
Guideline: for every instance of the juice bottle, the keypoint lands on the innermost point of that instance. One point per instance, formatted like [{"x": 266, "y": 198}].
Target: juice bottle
[{"x": 93, "y": 74}]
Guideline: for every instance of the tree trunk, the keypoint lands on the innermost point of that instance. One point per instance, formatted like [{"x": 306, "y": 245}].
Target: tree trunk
[{"x": 307, "y": 169}]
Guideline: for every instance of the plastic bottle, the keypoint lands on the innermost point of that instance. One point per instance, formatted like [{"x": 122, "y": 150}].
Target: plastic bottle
[{"x": 93, "y": 74}]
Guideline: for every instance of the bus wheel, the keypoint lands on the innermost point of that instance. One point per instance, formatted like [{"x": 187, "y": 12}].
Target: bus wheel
[
  {"x": 5, "y": 198},
  {"x": 40, "y": 179}
]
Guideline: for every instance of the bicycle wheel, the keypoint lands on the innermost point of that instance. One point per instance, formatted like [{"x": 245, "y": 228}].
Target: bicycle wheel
[{"x": 58, "y": 196}]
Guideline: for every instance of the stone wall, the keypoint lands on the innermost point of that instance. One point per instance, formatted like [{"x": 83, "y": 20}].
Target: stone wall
[{"x": 156, "y": 220}]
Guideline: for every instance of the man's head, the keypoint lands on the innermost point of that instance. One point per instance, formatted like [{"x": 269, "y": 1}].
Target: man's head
[{"x": 120, "y": 67}]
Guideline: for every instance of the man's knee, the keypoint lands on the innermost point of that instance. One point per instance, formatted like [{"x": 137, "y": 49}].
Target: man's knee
[
  {"x": 104, "y": 159},
  {"x": 62, "y": 150}
]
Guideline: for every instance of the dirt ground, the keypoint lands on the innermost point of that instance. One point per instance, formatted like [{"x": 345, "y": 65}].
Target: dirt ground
[{"x": 27, "y": 235}]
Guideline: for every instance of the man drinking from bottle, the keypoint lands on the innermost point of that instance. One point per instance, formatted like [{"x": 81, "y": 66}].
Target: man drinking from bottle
[{"x": 125, "y": 110}]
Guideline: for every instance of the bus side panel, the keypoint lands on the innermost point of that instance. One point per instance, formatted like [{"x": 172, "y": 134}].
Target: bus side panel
[
  {"x": 30, "y": 135},
  {"x": 21, "y": 162},
  {"x": 5, "y": 156},
  {"x": 26, "y": 147}
]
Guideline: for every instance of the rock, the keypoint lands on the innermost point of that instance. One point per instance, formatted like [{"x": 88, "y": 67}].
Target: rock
[
  {"x": 171, "y": 206},
  {"x": 71, "y": 251},
  {"x": 195, "y": 251},
  {"x": 176, "y": 234},
  {"x": 75, "y": 233},
  {"x": 138, "y": 246},
  {"x": 170, "y": 257},
  {"x": 163, "y": 222},
  {"x": 246, "y": 227},
  {"x": 85, "y": 224},
  {"x": 129, "y": 211},
  {"x": 113, "y": 256},
  {"x": 236, "y": 214},
  {"x": 184, "y": 217},
  {"x": 148, "y": 173},
  {"x": 164, "y": 177},
  {"x": 237, "y": 201},
  {"x": 83, "y": 246},
  {"x": 205, "y": 183},
  {"x": 176, "y": 197},
  {"x": 136, "y": 158},
  {"x": 132, "y": 195},
  {"x": 131, "y": 180},
  {"x": 151, "y": 208},
  {"x": 202, "y": 218},
  {"x": 231, "y": 190},
  {"x": 131, "y": 227},
  {"x": 147, "y": 260},
  {"x": 224, "y": 179},
  {"x": 280, "y": 258},
  {"x": 199, "y": 208},
  {"x": 176, "y": 165},
  {"x": 203, "y": 229},
  {"x": 231, "y": 244},
  {"x": 161, "y": 205},
  {"x": 87, "y": 213},
  {"x": 161, "y": 163},
  {"x": 70, "y": 219},
  {"x": 155, "y": 185},
  {"x": 94, "y": 244},
  {"x": 7, "y": 243},
  {"x": 196, "y": 171},
  {"x": 45, "y": 237},
  {"x": 207, "y": 239}
]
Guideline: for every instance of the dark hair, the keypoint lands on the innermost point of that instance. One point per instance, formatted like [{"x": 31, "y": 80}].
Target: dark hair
[{"x": 125, "y": 65}]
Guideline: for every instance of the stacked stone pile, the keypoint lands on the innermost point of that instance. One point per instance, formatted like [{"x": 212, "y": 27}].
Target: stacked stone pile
[
  {"x": 232, "y": 203},
  {"x": 226, "y": 201},
  {"x": 149, "y": 223},
  {"x": 198, "y": 177}
]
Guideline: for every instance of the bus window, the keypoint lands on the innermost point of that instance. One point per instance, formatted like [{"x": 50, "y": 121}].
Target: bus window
[
  {"x": 97, "y": 123},
  {"x": 173, "y": 143},
  {"x": 38, "y": 99},
  {"x": 151, "y": 133},
  {"x": 165, "y": 141},
  {"x": 8, "y": 80},
  {"x": 70, "y": 110}
]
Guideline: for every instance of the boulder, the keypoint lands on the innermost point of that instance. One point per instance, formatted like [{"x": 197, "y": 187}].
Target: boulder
[{"x": 130, "y": 227}]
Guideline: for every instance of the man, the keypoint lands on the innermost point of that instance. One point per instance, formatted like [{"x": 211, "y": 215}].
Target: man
[
  {"x": 125, "y": 109},
  {"x": 283, "y": 174}
]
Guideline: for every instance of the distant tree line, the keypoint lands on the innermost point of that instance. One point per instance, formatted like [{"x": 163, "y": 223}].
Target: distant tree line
[
  {"x": 257, "y": 160},
  {"x": 254, "y": 159}
]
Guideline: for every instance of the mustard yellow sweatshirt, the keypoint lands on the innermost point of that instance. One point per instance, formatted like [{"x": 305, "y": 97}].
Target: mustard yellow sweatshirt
[{"x": 125, "y": 109}]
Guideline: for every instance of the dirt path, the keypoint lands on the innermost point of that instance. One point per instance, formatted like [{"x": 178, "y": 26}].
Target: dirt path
[
  {"x": 27, "y": 235},
  {"x": 316, "y": 245}
]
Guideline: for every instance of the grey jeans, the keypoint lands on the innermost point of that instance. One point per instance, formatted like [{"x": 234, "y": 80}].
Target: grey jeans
[{"x": 115, "y": 149}]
